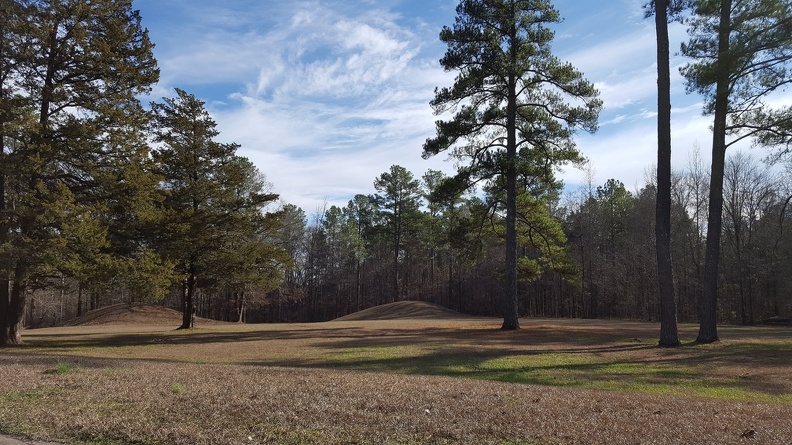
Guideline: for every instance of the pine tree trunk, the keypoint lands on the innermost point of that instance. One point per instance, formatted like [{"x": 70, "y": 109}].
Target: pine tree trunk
[
  {"x": 242, "y": 307},
  {"x": 13, "y": 305},
  {"x": 6, "y": 337},
  {"x": 510, "y": 311},
  {"x": 79, "y": 299},
  {"x": 708, "y": 324},
  {"x": 396, "y": 247},
  {"x": 188, "y": 313},
  {"x": 358, "y": 284},
  {"x": 450, "y": 289},
  {"x": 669, "y": 336},
  {"x": 5, "y": 315}
]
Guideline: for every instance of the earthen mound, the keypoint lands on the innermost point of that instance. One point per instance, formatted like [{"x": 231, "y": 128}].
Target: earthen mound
[
  {"x": 402, "y": 310},
  {"x": 128, "y": 314}
]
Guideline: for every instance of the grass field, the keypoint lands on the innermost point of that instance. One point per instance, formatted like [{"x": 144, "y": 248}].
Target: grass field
[{"x": 406, "y": 374}]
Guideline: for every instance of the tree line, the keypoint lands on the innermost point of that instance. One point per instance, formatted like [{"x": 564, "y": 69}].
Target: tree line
[
  {"x": 585, "y": 253},
  {"x": 105, "y": 199}
]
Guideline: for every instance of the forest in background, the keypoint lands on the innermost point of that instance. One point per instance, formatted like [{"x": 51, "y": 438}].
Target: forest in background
[
  {"x": 599, "y": 262},
  {"x": 104, "y": 199}
]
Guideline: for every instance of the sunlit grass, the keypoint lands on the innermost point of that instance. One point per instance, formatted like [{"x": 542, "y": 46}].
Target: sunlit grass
[
  {"x": 177, "y": 388},
  {"x": 543, "y": 355},
  {"x": 695, "y": 377},
  {"x": 20, "y": 396},
  {"x": 118, "y": 387}
]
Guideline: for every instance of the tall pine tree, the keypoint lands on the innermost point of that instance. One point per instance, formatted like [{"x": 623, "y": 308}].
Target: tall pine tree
[
  {"x": 742, "y": 52},
  {"x": 399, "y": 201},
  {"x": 71, "y": 74},
  {"x": 510, "y": 104},
  {"x": 669, "y": 336},
  {"x": 211, "y": 196}
]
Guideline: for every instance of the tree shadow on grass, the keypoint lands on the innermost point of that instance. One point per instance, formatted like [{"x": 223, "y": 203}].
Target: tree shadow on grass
[
  {"x": 171, "y": 337},
  {"x": 761, "y": 349},
  {"x": 574, "y": 368},
  {"x": 540, "y": 354}
]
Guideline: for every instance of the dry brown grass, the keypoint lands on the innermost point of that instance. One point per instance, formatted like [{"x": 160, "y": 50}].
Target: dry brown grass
[{"x": 356, "y": 382}]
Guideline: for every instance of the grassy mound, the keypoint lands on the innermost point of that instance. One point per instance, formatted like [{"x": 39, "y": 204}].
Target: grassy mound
[
  {"x": 128, "y": 314},
  {"x": 403, "y": 310}
]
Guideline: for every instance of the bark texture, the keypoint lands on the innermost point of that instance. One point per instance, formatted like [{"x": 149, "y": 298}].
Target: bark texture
[
  {"x": 668, "y": 313},
  {"x": 708, "y": 324}
]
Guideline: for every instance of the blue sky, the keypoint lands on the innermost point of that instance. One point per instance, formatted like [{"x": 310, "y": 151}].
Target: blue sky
[{"x": 325, "y": 95}]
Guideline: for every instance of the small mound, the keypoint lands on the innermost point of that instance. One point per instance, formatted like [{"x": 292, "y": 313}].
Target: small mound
[
  {"x": 128, "y": 314},
  {"x": 403, "y": 310}
]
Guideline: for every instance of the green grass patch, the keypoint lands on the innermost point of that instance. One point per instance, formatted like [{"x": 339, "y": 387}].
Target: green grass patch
[
  {"x": 579, "y": 371},
  {"x": 64, "y": 368},
  {"x": 19, "y": 396},
  {"x": 177, "y": 388},
  {"x": 666, "y": 376}
]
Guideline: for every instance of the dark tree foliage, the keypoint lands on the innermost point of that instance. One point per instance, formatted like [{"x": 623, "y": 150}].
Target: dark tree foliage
[
  {"x": 71, "y": 72},
  {"x": 399, "y": 200},
  {"x": 213, "y": 199}
]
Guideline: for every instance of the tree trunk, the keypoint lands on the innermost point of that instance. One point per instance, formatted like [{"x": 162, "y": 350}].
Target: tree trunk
[
  {"x": 79, "y": 299},
  {"x": 396, "y": 247},
  {"x": 708, "y": 324},
  {"x": 669, "y": 336},
  {"x": 6, "y": 319},
  {"x": 242, "y": 307},
  {"x": 14, "y": 310},
  {"x": 188, "y": 313},
  {"x": 7, "y": 335},
  {"x": 510, "y": 310},
  {"x": 450, "y": 289},
  {"x": 358, "y": 284}
]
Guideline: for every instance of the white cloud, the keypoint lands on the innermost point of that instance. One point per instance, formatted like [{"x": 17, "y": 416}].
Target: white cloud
[
  {"x": 329, "y": 101},
  {"x": 631, "y": 90},
  {"x": 608, "y": 58},
  {"x": 624, "y": 153},
  {"x": 624, "y": 66},
  {"x": 325, "y": 95}
]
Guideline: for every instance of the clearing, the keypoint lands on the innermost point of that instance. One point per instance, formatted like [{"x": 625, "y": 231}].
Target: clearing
[{"x": 407, "y": 373}]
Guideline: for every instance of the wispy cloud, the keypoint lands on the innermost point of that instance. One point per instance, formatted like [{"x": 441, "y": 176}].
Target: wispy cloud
[
  {"x": 325, "y": 95},
  {"x": 326, "y": 99}
]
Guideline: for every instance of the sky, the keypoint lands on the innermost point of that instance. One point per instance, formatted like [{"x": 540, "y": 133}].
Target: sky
[{"x": 325, "y": 95}]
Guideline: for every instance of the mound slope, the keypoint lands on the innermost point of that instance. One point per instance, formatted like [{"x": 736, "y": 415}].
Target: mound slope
[
  {"x": 128, "y": 314},
  {"x": 402, "y": 310}
]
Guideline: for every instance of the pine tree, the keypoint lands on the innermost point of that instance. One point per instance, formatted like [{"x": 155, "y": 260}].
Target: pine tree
[
  {"x": 662, "y": 9},
  {"x": 399, "y": 204},
  {"x": 213, "y": 199},
  {"x": 742, "y": 52},
  {"x": 510, "y": 104},
  {"x": 71, "y": 72}
]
